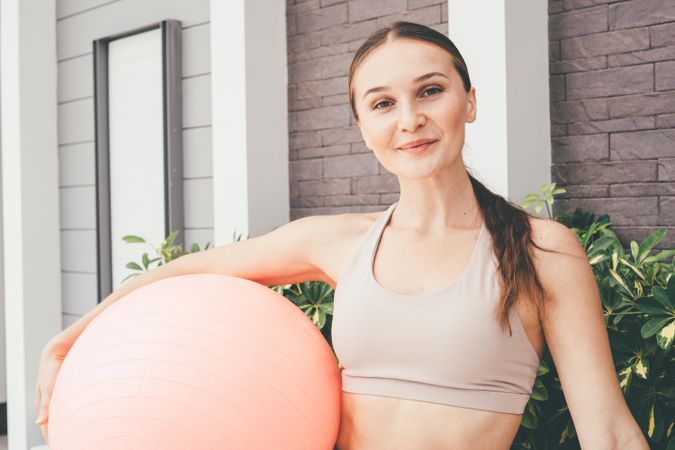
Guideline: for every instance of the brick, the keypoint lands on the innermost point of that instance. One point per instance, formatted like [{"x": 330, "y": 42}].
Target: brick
[
  {"x": 667, "y": 210},
  {"x": 359, "y": 147},
  {"x": 662, "y": 35},
  {"x": 444, "y": 13},
  {"x": 426, "y": 16},
  {"x": 341, "y": 136},
  {"x": 555, "y": 6},
  {"x": 643, "y": 144},
  {"x": 415, "y": 4},
  {"x": 321, "y": 88},
  {"x": 580, "y": 148},
  {"x": 331, "y": 100},
  {"x": 320, "y": 52},
  {"x": 604, "y": 172},
  {"x": 350, "y": 166},
  {"x": 360, "y": 10},
  {"x": 665, "y": 121},
  {"x": 578, "y": 65},
  {"x": 641, "y": 189},
  {"x": 306, "y": 202},
  {"x": 584, "y": 190},
  {"x": 558, "y": 129},
  {"x": 577, "y": 23},
  {"x": 605, "y": 126},
  {"x": 304, "y": 139},
  {"x": 308, "y": 103},
  {"x": 642, "y": 104},
  {"x": 347, "y": 33},
  {"x": 605, "y": 43},
  {"x": 553, "y": 51},
  {"x": 348, "y": 200},
  {"x": 666, "y": 167},
  {"x": 290, "y": 25},
  {"x": 331, "y": 2},
  {"x": 298, "y": 7},
  {"x": 321, "y": 18},
  {"x": 303, "y": 42},
  {"x": 640, "y": 13},
  {"x": 306, "y": 169},
  {"x": 579, "y": 111},
  {"x": 334, "y": 66},
  {"x": 602, "y": 83},
  {"x": 556, "y": 87},
  {"x": 578, "y": 4},
  {"x": 665, "y": 76},
  {"x": 304, "y": 71},
  {"x": 626, "y": 234},
  {"x": 293, "y": 189},
  {"x": 386, "y": 183},
  {"x": 314, "y": 119},
  {"x": 645, "y": 56},
  {"x": 626, "y": 211},
  {"x": 332, "y": 186},
  {"x": 317, "y": 152}
]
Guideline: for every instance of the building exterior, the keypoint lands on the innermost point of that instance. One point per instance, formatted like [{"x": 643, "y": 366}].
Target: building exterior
[{"x": 580, "y": 92}]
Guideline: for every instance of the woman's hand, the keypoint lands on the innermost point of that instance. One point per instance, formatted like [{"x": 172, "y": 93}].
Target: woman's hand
[{"x": 51, "y": 360}]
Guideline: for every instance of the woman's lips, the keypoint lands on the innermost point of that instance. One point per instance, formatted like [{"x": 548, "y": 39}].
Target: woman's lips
[{"x": 419, "y": 148}]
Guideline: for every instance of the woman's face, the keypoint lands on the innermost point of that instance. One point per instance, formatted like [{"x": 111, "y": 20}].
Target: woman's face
[{"x": 406, "y": 110}]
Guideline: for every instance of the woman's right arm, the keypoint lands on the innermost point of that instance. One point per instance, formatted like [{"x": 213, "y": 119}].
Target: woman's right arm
[{"x": 291, "y": 253}]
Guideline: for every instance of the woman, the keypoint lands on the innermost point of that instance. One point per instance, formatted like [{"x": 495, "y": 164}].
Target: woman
[{"x": 451, "y": 360}]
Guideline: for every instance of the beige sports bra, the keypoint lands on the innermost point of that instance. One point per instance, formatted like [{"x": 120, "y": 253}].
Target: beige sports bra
[{"x": 441, "y": 347}]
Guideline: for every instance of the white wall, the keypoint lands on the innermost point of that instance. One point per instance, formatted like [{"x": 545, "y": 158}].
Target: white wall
[
  {"x": 79, "y": 22},
  {"x": 508, "y": 146}
]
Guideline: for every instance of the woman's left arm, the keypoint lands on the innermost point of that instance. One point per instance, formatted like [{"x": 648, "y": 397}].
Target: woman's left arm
[{"x": 577, "y": 338}]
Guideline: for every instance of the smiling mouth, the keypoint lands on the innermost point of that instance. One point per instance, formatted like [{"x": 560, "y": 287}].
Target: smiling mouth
[{"x": 418, "y": 148}]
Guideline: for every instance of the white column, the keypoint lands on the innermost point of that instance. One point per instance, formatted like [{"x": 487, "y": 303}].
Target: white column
[
  {"x": 249, "y": 79},
  {"x": 508, "y": 147},
  {"x": 30, "y": 199}
]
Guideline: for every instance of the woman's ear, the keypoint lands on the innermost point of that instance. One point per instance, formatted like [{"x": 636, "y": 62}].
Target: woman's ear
[{"x": 471, "y": 98}]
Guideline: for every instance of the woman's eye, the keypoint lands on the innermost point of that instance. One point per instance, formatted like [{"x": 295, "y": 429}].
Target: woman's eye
[
  {"x": 434, "y": 88},
  {"x": 379, "y": 103}
]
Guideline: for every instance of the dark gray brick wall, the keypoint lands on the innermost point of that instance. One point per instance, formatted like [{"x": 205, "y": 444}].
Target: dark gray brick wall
[
  {"x": 612, "y": 86},
  {"x": 331, "y": 170}
]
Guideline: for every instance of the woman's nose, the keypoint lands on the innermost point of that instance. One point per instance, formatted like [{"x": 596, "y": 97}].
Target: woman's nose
[{"x": 410, "y": 117}]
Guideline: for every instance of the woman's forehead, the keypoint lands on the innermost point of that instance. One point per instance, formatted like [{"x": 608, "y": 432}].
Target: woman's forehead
[{"x": 392, "y": 64}]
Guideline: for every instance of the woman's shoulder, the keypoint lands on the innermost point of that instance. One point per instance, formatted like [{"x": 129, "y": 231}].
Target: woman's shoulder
[
  {"x": 554, "y": 236},
  {"x": 342, "y": 233}
]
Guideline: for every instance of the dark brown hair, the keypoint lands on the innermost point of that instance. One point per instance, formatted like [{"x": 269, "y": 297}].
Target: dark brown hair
[{"x": 507, "y": 223}]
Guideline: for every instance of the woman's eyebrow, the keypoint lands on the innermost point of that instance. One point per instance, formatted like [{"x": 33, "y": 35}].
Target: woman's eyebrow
[{"x": 417, "y": 80}]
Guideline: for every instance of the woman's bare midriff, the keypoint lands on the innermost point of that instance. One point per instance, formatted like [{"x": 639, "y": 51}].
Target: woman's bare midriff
[{"x": 374, "y": 422}]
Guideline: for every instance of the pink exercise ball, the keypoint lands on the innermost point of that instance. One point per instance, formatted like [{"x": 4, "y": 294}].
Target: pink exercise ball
[{"x": 201, "y": 362}]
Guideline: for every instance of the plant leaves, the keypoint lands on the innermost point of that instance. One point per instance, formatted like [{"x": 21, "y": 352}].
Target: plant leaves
[
  {"x": 131, "y": 239},
  {"x": 134, "y": 266},
  {"x": 664, "y": 338}
]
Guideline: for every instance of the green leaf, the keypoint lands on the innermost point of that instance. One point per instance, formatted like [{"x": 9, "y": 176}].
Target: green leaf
[
  {"x": 131, "y": 239},
  {"x": 529, "y": 419},
  {"x": 650, "y": 242},
  {"x": 641, "y": 368},
  {"x": 659, "y": 256},
  {"x": 134, "y": 266},
  {"x": 146, "y": 260},
  {"x": 664, "y": 338},
  {"x": 194, "y": 248},
  {"x": 653, "y": 326},
  {"x": 539, "y": 391},
  {"x": 625, "y": 376},
  {"x": 664, "y": 296},
  {"x": 650, "y": 306}
]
